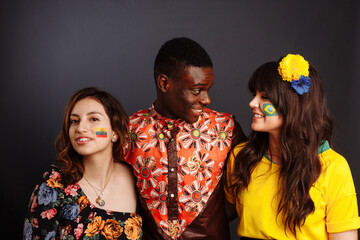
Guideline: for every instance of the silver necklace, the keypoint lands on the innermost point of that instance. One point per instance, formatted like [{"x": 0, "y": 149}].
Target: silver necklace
[{"x": 99, "y": 200}]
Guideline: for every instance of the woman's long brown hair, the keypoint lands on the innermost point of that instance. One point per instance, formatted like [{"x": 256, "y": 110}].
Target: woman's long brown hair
[
  {"x": 71, "y": 165},
  {"x": 307, "y": 122}
]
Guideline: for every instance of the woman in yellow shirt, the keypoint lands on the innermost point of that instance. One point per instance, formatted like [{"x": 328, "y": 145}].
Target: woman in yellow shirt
[{"x": 286, "y": 182}]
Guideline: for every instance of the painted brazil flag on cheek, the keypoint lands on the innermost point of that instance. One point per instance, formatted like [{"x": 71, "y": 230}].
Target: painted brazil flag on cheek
[{"x": 269, "y": 109}]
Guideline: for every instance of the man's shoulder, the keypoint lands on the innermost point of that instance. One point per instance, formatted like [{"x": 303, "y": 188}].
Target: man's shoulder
[
  {"x": 215, "y": 113},
  {"x": 141, "y": 113}
]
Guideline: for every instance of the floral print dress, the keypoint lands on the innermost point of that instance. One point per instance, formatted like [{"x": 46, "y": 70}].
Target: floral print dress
[{"x": 64, "y": 212}]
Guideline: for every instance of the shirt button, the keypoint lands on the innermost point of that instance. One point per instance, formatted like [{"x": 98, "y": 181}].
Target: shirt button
[
  {"x": 172, "y": 169},
  {"x": 172, "y": 195}
]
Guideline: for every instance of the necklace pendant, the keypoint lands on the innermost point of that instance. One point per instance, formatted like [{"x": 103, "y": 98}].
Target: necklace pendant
[{"x": 100, "y": 202}]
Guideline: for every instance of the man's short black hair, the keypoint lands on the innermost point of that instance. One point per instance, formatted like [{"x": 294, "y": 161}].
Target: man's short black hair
[{"x": 177, "y": 54}]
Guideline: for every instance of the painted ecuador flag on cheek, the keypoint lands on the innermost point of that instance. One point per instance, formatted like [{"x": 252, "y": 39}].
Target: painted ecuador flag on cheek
[{"x": 101, "y": 132}]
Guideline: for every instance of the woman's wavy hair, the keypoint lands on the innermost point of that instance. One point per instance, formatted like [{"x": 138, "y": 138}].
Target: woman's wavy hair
[
  {"x": 307, "y": 121},
  {"x": 71, "y": 165}
]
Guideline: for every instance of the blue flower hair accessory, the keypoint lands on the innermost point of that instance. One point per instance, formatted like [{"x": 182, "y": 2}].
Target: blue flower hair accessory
[
  {"x": 302, "y": 85},
  {"x": 295, "y": 69}
]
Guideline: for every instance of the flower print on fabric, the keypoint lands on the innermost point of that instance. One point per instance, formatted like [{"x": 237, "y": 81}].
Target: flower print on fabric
[
  {"x": 83, "y": 202},
  {"x": 224, "y": 119},
  {"x": 142, "y": 119},
  {"x": 195, "y": 136},
  {"x": 54, "y": 180},
  {"x": 95, "y": 226},
  {"x": 221, "y": 172},
  {"x": 201, "y": 150},
  {"x": 66, "y": 212},
  {"x": 147, "y": 172},
  {"x": 136, "y": 140},
  {"x": 49, "y": 214},
  {"x": 195, "y": 197},
  {"x": 71, "y": 189},
  {"x": 133, "y": 227},
  {"x": 79, "y": 231},
  {"x": 183, "y": 168},
  {"x": 71, "y": 211},
  {"x": 27, "y": 230},
  {"x": 159, "y": 195},
  {"x": 112, "y": 229},
  {"x": 200, "y": 165},
  {"x": 173, "y": 228},
  {"x": 221, "y": 135},
  {"x": 64, "y": 232},
  {"x": 158, "y": 139},
  {"x": 46, "y": 194},
  {"x": 50, "y": 236}
]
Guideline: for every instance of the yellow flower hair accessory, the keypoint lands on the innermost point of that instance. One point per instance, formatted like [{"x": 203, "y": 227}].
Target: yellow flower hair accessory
[
  {"x": 295, "y": 69},
  {"x": 292, "y": 67}
]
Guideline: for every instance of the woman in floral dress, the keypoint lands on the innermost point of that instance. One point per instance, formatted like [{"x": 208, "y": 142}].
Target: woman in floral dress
[{"x": 89, "y": 193}]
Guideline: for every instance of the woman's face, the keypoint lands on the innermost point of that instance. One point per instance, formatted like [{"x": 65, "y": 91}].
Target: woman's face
[
  {"x": 265, "y": 116},
  {"x": 90, "y": 129}
]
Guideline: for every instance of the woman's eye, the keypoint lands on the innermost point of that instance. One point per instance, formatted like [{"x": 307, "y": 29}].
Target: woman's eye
[
  {"x": 74, "y": 121},
  {"x": 94, "y": 119}
]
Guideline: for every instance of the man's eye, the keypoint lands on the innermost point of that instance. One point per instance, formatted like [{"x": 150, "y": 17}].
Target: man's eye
[{"x": 196, "y": 91}]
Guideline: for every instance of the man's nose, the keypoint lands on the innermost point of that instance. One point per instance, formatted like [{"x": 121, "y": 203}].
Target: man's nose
[{"x": 205, "y": 99}]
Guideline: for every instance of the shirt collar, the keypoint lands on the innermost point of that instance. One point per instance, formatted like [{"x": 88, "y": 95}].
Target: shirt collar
[
  {"x": 166, "y": 122},
  {"x": 324, "y": 146}
]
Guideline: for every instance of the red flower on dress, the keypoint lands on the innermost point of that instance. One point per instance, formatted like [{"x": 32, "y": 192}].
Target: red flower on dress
[
  {"x": 79, "y": 230},
  {"x": 49, "y": 214},
  {"x": 35, "y": 222},
  {"x": 72, "y": 189}
]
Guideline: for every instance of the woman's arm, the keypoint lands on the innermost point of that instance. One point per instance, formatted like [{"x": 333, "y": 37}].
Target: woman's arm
[
  {"x": 348, "y": 235},
  {"x": 43, "y": 213}
]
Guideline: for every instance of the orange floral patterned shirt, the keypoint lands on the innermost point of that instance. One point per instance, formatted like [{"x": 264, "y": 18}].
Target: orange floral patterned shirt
[{"x": 178, "y": 165}]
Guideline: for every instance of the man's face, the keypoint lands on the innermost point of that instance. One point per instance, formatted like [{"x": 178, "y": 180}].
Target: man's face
[{"x": 188, "y": 95}]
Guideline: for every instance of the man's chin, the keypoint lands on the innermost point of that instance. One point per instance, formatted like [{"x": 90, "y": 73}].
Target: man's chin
[{"x": 191, "y": 120}]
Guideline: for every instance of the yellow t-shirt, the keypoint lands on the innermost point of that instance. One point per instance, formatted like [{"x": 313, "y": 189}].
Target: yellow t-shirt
[{"x": 333, "y": 193}]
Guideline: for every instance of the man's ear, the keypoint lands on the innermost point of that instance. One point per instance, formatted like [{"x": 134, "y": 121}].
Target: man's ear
[{"x": 163, "y": 83}]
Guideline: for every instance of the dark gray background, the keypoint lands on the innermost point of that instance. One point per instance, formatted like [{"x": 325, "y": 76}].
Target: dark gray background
[{"x": 51, "y": 48}]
